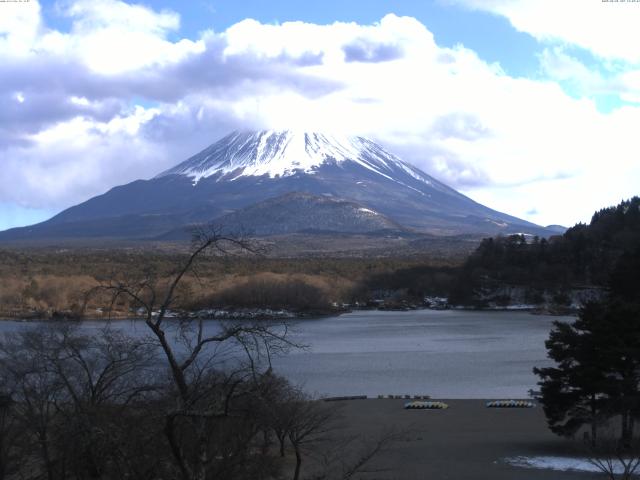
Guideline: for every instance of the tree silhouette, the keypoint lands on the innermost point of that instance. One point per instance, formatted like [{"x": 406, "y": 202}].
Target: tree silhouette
[{"x": 597, "y": 376}]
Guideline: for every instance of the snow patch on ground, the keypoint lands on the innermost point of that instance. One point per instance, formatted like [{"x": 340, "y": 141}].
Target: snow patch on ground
[
  {"x": 366, "y": 210},
  {"x": 564, "y": 464},
  {"x": 498, "y": 224}
]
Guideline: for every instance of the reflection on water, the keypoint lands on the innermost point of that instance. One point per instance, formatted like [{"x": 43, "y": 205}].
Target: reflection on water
[{"x": 445, "y": 354}]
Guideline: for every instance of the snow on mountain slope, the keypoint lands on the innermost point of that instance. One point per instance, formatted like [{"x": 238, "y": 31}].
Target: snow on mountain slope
[
  {"x": 285, "y": 153},
  {"x": 364, "y": 188}
]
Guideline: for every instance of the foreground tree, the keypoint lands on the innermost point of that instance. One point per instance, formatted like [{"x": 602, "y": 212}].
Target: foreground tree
[
  {"x": 207, "y": 399},
  {"x": 614, "y": 460},
  {"x": 573, "y": 391},
  {"x": 9, "y": 459},
  {"x": 184, "y": 399},
  {"x": 309, "y": 423},
  {"x": 69, "y": 394},
  {"x": 597, "y": 376}
]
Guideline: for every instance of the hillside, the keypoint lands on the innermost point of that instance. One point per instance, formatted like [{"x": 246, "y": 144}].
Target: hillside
[{"x": 585, "y": 257}]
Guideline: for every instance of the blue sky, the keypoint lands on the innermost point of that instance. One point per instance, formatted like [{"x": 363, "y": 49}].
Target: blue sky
[{"x": 513, "y": 102}]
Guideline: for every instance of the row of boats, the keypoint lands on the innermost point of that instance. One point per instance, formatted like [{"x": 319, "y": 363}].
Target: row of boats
[{"x": 418, "y": 405}]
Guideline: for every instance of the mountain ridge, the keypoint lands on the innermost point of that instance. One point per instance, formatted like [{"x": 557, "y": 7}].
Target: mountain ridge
[
  {"x": 246, "y": 168},
  {"x": 300, "y": 212}
]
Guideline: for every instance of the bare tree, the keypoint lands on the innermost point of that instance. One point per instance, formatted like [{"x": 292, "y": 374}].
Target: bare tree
[
  {"x": 36, "y": 392},
  {"x": 202, "y": 395},
  {"x": 102, "y": 375},
  {"x": 69, "y": 392},
  {"x": 351, "y": 456},
  {"x": 616, "y": 458},
  {"x": 309, "y": 424},
  {"x": 10, "y": 435}
]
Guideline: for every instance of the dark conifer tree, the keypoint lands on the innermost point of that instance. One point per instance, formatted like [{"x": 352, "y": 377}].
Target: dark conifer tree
[
  {"x": 574, "y": 392},
  {"x": 597, "y": 376}
]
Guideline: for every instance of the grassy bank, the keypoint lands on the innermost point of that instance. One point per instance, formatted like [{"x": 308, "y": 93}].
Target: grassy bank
[{"x": 53, "y": 282}]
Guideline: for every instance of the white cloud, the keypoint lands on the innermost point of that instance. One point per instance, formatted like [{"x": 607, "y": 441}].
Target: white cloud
[
  {"x": 92, "y": 15},
  {"x": 109, "y": 36},
  {"x": 79, "y": 158},
  {"x": 608, "y": 29},
  {"x": 295, "y": 39},
  {"x": 557, "y": 64},
  {"x": 20, "y": 24},
  {"x": 112, "y": 37},
  {"x": 519, "y": 145}
]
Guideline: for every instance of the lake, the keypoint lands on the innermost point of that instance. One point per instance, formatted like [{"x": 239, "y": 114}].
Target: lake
[{"x": 445, "y": 354}]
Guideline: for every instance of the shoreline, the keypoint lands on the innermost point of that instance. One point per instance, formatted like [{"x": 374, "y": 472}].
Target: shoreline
[{"x": 280, "y": 314}]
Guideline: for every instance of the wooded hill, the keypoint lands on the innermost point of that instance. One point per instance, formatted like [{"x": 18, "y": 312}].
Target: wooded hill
[{"x": 585, "y": 256}]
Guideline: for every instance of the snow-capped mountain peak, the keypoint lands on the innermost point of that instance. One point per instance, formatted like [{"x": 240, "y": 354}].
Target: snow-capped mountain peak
[
  {"x": 282, "y": 182},
  {"x": 285, "y": 153}
]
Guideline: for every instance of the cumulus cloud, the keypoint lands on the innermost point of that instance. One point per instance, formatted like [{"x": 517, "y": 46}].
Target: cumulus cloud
[
  {"x": 559, "y": 65},
  {"x": 20, "y": 25},
  {"x": 608, "y": 29},
  {"x": 363, "y": 51},
  {"x": 118, "y": 97},
  {"x": 459, "y": 125}
]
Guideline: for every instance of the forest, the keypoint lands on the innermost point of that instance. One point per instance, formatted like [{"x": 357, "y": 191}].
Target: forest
[
  {"x": 584, "y": 257},
  {"x": 51, "y": 283}
]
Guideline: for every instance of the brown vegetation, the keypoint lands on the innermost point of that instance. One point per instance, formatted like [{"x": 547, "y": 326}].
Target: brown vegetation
[
  {"x": 271, "y": 290},
  {"x": 50, "y": 283}
]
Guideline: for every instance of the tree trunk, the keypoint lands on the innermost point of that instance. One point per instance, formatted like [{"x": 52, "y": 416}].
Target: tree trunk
[
  {"x": 296, "y": 474},
  {"x": 266, "y": 441},
  {"x": 2, "y": 458},
  {"x": 47, "y": 460},
  {"x": 626, "y": 430},
  {"x": 203, "y": 454},
  {"x": 169, "y": 431},
  {"x": 43, "y": 441},
  {"x": 594, "y": 422},
  {"x": 281, "y": 440}
]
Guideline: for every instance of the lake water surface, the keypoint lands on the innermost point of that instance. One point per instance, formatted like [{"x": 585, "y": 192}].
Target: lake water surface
[{"x": 445, "y": 354}]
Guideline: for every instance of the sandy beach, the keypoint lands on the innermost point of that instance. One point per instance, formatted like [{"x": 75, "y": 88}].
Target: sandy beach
[{"x": 466, "y": 441}]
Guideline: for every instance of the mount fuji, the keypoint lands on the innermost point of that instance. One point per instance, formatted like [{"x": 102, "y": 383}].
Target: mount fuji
[{"x": 280, "y": 182}]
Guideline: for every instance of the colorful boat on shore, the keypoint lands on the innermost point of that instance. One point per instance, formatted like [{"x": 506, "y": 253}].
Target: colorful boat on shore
[
  {"x": 425, "y": 405},
  {"x": 510, "y": 404}
]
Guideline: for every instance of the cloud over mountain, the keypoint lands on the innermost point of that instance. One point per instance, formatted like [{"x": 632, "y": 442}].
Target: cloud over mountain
[{"x": 120, "y": 95}]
